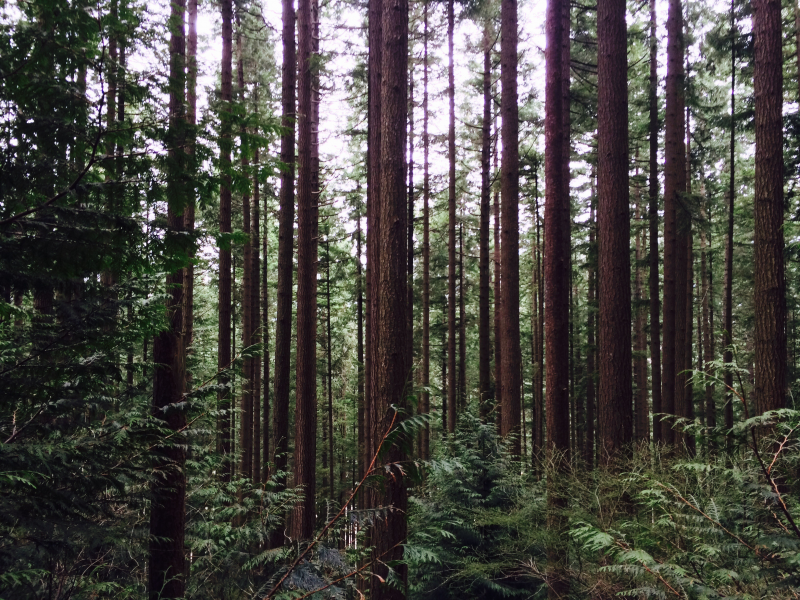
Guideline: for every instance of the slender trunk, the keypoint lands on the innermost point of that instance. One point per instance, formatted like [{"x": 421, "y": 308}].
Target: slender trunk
[
  {"x": 283, "y": 322},
  {"x": 410, "y": 220},
  {"x": 708, "y": 340},
  {"x": 166, "y": 566},
  {"x": 246, "y": 401},
  {"x": 642, "y": 413},
  {"x": 556, "y": 273},
  {"x": 770, "y": 278},
  {"x": 591, "y": 349},
  {"x": 265, "y": 438},
  {"x": 688, "y": 361},
  {"x": 189, "y": 211},
  {"x": 225, "y": 280},
  {"x": 255, "y": 308},
  {"x": 360, "y": 350},
  {"x": 484, "y": 342},
  {"x": 498, "y": 302},
  {"x": 375, "y": 68},
  {"x": 330, "y": 365},
  {"x": 727, "y": 353},
  {"x": 462, "y": 325},
  {"x": 674, "y": 226},
  {"x": 392, "y": 359},
  {"x": 451, "y": 229},
  {"x": 305, "y": 455},
  {"x": 509, "y": 193},
  {"x": 426, "y": 251},
  {"x": 655, "y": 305}
]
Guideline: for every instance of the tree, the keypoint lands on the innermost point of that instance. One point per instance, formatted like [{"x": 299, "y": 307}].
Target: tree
[
  {"x": 302, "y": 525},
  {"x": 615, "y": 417},
  {"x": 426, "y": 249},
  {"x": 509, "y": 194},
  {"x": 166, "y": 564},
  {"x": 484, "y": 342},
  {"x": 770, "y": 278},
  {"x": 451, "y": 228},
  {"x": 283, "y": 323}
]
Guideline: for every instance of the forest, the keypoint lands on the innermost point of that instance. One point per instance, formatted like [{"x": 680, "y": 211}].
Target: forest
[{"x": 386, "y": 299}]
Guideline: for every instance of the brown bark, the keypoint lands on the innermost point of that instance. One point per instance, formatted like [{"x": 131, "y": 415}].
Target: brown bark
[
  {"x": 329, "y": 370},
  {"x": 689, "y": 362},
  {"x": 265, "y": 438},
  {"x": 189, "y": 210},
  {"x": 768, "y": 242},
  {"x": 392, "y": 360},
  {"x": 674, "y": 226},
  {"x": 655, "y": 304},
  {"x": 484, "y": 341},
  {"x": 462, "y": 325},
  {"x": 426, "y": 251},
  {"x": 305, "y": 456},
  {"x": 727, "y": 353},
  {"x": 246, "y": 400},
  {"x": 591, "y": 348},
  {"x": 708, "y": 339},
  {"x": 375, "y": 68},
  {"x": 613, "y": 224},
  {"x": 498, "y": 302},
  {"x": 283, "y": 322},
  {"x": 509, "y": 194},
  {"x": 410, "y": 221},
  {"x": 451, "y": 229},
  {"x": 166, "y": 566},
  {"x": 360, "y": 351},
  {"x": 255, "y": 308},
  {"x": 642, "y": 412},
  {"x": 225, "y": 284}
]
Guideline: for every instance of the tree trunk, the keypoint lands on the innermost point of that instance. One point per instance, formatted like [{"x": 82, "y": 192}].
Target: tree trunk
[
  {"x": 708, "y": 340},
  {"x": 727, "y": 352},
  {"x": 556, "y": 273},
  {"x": 305, "y": 455},
  {"x": 770, "y": 279},
  {"x": 360, "y": 349},
  {"x": 283, "y": 322},
  {"x": 265, "y": 443},
  {"x": 255, "y": 308},
  {"x": 655, "y": 305},
  {"x": 642, "y": 413},
  {"x": 330, "y": 365},
  {"x": 674, "y": 226},
  {"x": 484, "y": 341},
  {"x": 462, "y": 325},
  {"x": 410, "y": 221},
  {"x": 166, "y": 566},
  {"x": 426, "y": 251},
  {"x": 189, "y": 211},
  {"x": 246, "y": 401},
  {"x": 591, "y": 348},
  {"x": 451, "y": 229},
  {"x": 509, "y": 193},
  {"x": 392, "y": 360}
]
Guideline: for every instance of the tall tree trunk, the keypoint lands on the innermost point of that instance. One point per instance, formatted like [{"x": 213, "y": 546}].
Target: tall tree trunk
[
  {"x": 536, "y": 333},
  {"x": 166, "y": 566},
  {"x": 265, "y": 438},
  {"x": 727, "y": 352},
  {"x": 591, "y": 348},
  {"x": 246, "y": 401},
  {"x": 283, "y": 322},
  {"x": 330, "y": 365},
  {"x": 484, "y": 341},
  {"x": 498, "y": 301},
  {"x": 642, "y": 413},
  {"x": 189, "y": 210},
  {"x": 509, "y": 193},
  {"x": 615, "y": 419},
  {"x": 451, "y": 229},
  {"x": 708, "y": 339},
  {"x": 375, "y": 68},
  {"x": 255, "y": 308},
  {"x": 556, "y": 273},
  {"x": 225, "y": 280},
  {"x": 305, "y": 455},
  {"x": 426, "y": 250},
  {"x": 360, "y": 350},
  {"x": 674, "y": 226},
  {"x": 410, "y": 220},
  {"x": 462, "y": 325},
  {"x": 770, "y": 279},
  {"x": 655, "y": 304},
  {"x": 392, "y": 360}
]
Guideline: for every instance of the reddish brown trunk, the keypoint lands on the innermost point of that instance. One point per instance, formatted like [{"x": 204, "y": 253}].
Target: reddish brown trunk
[
  {"x": 509, "y": 193},
  {"x": 642, "y": 413},
  {"x": 451, "y": 230},
  {"x": 283, "y": 322},
  {"x": 305, "y": 455},
  {"x": 265, "y": 443},
  {"x": 225, "y": 285},
  {"x": 655, "y": 305},
  {"x": 727, "y": 354},
  {"x": 392, "y": 360},
  {"x": 426, "y": 252},
  {"x": 462, "y": 325},
  {"x": 166, "y": 566},
  {"x": 613, "y": 224},
  {"x": 484, "y": 341},
  {"x": 255, "y": 320},
  {"x": 674, "y": 226},
  {"x": 770, "y": 279},
  {"x": 591, "y": 349}
]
